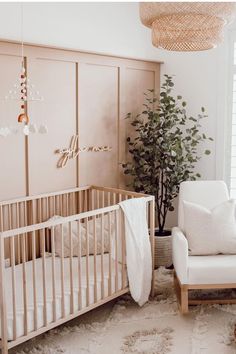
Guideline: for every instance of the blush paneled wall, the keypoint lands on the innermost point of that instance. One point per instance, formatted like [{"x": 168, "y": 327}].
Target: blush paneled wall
[{"x": 85, "y": 94}]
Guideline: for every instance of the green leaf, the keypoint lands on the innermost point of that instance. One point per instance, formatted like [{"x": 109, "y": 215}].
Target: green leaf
[{"x": 207, "y": 152}]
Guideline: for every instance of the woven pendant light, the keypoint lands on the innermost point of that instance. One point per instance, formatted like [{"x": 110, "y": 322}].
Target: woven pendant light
[{"x": 186, "y": 26}]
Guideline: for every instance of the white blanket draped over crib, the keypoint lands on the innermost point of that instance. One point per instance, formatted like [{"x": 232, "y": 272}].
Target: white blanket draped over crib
[{"x": 138, "y": 249}]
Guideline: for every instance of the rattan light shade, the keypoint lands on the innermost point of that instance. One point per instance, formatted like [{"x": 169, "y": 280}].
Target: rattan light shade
[{"x": 182, "y": 26}]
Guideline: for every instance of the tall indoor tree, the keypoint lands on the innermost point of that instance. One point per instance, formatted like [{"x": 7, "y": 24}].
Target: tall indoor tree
[{"x": 164, "y": 148}]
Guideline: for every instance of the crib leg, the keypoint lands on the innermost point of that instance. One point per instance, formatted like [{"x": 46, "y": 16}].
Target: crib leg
[
  {"x": 4, "y": 349},
  {"x": 3, "y": 307},
  {"x": 4, "y": 346}
]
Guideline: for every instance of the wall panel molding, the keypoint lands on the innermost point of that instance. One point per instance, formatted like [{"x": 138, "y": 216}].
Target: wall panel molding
[{"x": 85, "y": 94}]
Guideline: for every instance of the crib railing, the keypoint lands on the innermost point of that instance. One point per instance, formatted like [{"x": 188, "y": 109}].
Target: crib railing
[
  {"x": 37, "y": 209},
  {"x": 70, "y": 284}
]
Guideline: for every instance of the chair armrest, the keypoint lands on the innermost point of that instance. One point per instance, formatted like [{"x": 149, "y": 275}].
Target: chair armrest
[{"x": 180, "y": 254}]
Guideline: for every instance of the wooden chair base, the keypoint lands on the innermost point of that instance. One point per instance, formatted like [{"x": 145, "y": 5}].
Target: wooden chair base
[{"x": 183, "y": 296}]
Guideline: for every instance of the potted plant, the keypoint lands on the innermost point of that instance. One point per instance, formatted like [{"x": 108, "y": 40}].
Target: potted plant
[{"x": 164, "y": 149}]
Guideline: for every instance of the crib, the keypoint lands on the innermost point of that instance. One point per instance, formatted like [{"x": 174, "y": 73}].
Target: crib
[{"x": 62, "y": 254}]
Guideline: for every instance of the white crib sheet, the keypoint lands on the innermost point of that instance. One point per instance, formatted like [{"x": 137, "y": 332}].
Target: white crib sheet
[{"x": 49, "y": 297}]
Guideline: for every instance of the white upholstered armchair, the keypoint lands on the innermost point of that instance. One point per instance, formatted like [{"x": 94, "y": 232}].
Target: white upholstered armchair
[{"x": 200, "y": 272}]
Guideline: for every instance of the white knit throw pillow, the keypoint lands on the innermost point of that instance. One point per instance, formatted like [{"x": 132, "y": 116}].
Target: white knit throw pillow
[
  {"x": 83, "y": 236},
  {"x": 210, "y": 231}
]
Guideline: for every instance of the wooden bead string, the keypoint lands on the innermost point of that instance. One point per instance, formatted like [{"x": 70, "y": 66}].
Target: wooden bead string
[{"x": 23, "y": 117}]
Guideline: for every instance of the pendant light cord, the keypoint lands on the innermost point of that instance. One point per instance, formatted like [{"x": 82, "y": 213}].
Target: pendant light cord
[{"x": 22, "y": 43}]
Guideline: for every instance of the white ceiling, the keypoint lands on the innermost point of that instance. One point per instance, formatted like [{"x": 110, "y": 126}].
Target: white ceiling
[{"x": 103, "y": 27}]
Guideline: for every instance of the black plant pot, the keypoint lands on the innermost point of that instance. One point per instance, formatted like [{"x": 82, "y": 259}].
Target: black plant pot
[{"x": 162, "y": 233}]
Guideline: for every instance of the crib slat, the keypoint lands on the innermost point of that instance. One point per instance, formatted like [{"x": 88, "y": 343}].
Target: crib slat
[
  {"x": 4, "y": 332},
  {"x": 79, "y": 266},
  {"x": 87, "y": 262},
  {"x": 95, "y": 257},
  {"x": 53, "y": 273},
  {"x": 110, "y": 253},
  {"x": 47, "y": 217},
  {"x": 71, "y": 203},
  {"x": 92, "y": 199},
  {"x": 57, "y": 205},
  {"x": 71, "y": 271},
  {"x": 103, "y": 199},
  {"x": 102, "y": 255},
  {"x": 80, "y": 202},
  {"x": 1, "y": 218},
  {"x": 39, "y": 215},
  {"x": 74, "y": 198},
  {"x": 108, "y": 198},
  {"x": 24, "y": 285},
  {"x": 18, "y": 236},
  {"x": 50, "y": 214},
  {"x": 62, "y": 274},
  {"x": 39, "y": 209},
  {"x": 75, "y": 202},
  {"x": 67, "y": 205},
  {"x": 116, "y": 248},
  {"x": 97, "y": 198},
  {"x": 123, "y": 250},
  {"x": 54, "y": 205},
  {"x": 12, "y": 247},
  {"x": 26, "y": 235},
  {"x": 9, "y": 217},
  {"x": 34, "y": 281},
  {"x": 85, "y": 201},
  {"x": 88, "y": 201},
  {"x": 61, "y": 205},
  {"x": 42, "y": 235},
  {"x": 9, "y": 221}
]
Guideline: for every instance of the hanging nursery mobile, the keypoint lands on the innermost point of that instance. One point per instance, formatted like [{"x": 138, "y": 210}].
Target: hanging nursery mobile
[{"x": 23, "y": 91}]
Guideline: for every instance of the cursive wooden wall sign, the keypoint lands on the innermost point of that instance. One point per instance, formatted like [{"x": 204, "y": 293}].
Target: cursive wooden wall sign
[{"x": 74, "y": 150}]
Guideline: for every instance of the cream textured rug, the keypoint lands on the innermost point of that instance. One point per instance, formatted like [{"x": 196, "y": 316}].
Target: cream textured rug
[{"x": 156, "y": 328}]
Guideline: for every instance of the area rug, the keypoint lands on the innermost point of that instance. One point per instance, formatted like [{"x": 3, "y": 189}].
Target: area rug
[{"x": 156, "y": 328}]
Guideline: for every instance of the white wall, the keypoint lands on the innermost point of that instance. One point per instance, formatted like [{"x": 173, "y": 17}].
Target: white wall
[{"x": 201, "y": 77}]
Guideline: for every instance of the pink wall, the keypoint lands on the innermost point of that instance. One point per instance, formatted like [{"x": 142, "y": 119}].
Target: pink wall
[{"x": 84, "y": 94}]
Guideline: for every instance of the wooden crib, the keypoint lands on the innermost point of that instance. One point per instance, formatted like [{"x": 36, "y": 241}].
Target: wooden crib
[{"x": 52, "y": 271}]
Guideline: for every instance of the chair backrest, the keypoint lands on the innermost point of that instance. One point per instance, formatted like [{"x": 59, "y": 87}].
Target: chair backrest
[{"x": 205, "y": 193}]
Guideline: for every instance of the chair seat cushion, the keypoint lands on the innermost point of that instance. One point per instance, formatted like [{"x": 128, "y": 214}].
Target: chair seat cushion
[{"x": 217, "y": 269}]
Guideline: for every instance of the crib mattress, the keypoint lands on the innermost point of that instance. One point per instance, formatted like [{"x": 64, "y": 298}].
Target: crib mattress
[{"x": 49, "y": 290}]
